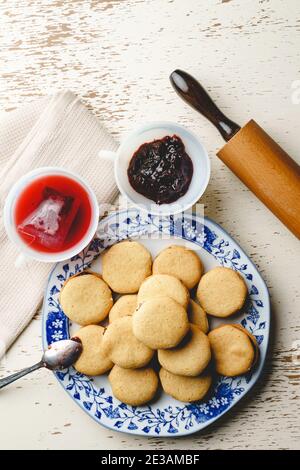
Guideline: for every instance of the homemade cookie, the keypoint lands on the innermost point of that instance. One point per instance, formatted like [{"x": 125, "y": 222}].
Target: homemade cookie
[
  {"x": 122, "y": 347},
  {"x": 221, "y": 292},
  {"x": 133, "y": 386},
  {"x": 92, "y": 360},
  {"x": 187, "y": 389},
  {"x": 125, "y": 266},
  {"x": 124, "y": 306},
  {"x": 197, "y": 316},
  {"x": 252, "y": 339},
  {"x": 180, "y": 262},
  {"x": 160, "y": 323},
  {"x": 190, "y": 357},
  {"x": 234, "y": 350},
  {"x": 86, "y": 299},
  {"x": 164, "y": 285}
]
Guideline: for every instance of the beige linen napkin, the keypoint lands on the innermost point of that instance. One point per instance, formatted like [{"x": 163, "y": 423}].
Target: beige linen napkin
[{"x": 54, "y": 131}]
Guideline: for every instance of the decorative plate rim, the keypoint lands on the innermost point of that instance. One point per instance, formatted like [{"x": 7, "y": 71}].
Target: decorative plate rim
[{"x": 206, "y": 221}]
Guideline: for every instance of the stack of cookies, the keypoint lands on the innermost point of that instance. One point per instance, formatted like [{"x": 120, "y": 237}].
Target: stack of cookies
[{"x": 156, "y": 332}]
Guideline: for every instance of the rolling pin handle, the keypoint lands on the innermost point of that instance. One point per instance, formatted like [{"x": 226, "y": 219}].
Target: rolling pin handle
[{"x": 194, "y": 94}]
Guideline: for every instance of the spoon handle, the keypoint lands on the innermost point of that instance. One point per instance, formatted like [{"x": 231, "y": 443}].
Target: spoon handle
[
  {"x": 11, "y": 378},
  {"x": 194, "y": 94}
]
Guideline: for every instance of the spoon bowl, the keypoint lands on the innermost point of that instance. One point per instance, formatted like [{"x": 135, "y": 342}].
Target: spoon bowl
[{"x": 62, "y": 354}]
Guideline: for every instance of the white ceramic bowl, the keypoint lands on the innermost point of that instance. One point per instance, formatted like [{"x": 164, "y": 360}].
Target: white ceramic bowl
[{"x": 147, "y": 133}]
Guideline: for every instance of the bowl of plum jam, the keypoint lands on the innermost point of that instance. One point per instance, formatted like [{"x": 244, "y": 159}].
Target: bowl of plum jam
[
  {"x": 162, "y": 168},
  {"x": 51, "y": 214}
]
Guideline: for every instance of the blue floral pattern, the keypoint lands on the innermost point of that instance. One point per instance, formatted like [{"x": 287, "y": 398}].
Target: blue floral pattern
[{"x": 172, "y": 418}]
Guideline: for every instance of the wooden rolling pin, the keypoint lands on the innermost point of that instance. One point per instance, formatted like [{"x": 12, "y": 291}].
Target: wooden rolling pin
[{"x": 268, "y": 171}]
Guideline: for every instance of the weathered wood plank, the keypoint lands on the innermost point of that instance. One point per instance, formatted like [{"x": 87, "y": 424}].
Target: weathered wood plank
[{"x": 117, "y": 55}]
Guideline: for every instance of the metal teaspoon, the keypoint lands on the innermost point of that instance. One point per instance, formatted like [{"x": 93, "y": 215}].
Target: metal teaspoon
[{"x": 60, "y": 355}]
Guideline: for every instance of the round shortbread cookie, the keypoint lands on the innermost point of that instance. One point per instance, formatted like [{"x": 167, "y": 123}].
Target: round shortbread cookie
[
  {"x": 186, "y": 389},
  {"x": 123, "y": 348},
  {"x": 86, "y": 299},
  {"x": 164, "y": 285},
  {"x": 233, "y": 350},
  {"x": 197, "y": 316},
  {"x": 221, "y": 292},
  {"x": 125, "y": 266},
  {"x": 92, "y": 361},
  {"x": 124, "y": 306},
  {"x": 190, "y": 357},
  {"x": 160, "y": 323},
  {"x": 252, "y": 339},
  {"x": 179, "y": 262},
  {"x": 133, "y": 386}
]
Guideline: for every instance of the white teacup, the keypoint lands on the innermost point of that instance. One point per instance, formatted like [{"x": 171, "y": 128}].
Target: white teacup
[
  {"x": 9, "y": 210},
  {"x": 148, "y": 133}
]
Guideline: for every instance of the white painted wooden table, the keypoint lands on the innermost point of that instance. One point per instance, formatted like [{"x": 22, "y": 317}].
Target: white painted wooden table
[{"x": 118, "y": 55}]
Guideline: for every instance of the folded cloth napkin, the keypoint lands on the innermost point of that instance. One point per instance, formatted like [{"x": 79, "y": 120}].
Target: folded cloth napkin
[{"x": 54, "y": 131}]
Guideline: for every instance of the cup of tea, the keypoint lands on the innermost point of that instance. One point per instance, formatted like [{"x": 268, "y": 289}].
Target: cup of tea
[{"x": 50, "y": 214}]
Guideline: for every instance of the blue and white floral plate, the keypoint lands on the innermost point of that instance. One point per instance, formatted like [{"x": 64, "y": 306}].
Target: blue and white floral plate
[{"x": 166, "y": 416}]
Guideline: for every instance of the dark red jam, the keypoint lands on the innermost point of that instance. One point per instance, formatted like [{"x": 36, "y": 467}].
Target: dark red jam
[{"x": 161, "y": 170}]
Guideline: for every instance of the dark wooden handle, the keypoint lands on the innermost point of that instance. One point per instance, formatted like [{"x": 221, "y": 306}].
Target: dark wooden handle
[{"x": 194, "y": 94}]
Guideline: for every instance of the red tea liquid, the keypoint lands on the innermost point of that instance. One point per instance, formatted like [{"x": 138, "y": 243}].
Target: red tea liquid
[{"x": 53, "y": 213}]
